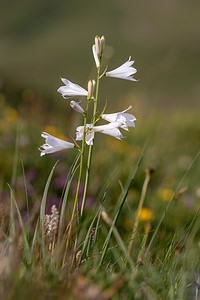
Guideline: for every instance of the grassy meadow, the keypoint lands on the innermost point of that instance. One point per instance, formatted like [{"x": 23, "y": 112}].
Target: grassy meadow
[{"x": 138, "y": 237}]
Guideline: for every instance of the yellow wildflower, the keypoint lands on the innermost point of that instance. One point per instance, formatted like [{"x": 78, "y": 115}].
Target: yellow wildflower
[
  {"x": 146, "y": 215},
  {"x": 165, "y": 194}
]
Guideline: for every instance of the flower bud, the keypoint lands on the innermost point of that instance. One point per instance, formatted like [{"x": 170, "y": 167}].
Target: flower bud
[
  {"x": 91, "y": 86},
  {"x": 76, "y": 107},
  {"x": 102, "y": 44},
  {"x": 98, "y": 45}
]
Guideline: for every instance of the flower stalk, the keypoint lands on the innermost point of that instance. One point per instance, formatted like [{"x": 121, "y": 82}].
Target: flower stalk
[
  {"x": 79, "y": 182},
  {"x": 91, "y": 146}
]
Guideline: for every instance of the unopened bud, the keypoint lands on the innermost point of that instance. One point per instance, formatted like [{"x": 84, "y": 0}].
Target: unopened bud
[
  {"x": 98, "y": 45},
  {"x": 102, "y": 43},
  {"x": 91, "y": 86},
  {"x": 76, "y": 107}
]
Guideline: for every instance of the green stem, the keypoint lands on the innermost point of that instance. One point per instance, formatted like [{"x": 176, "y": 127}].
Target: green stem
[
  {"x": 78, "y": 185},
  {"x": 91, "y": 146},
  {"x": 135, "y": 227}
]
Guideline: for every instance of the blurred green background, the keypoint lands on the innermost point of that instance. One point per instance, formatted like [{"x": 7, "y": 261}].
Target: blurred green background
[{"x": 42, "y": 41}]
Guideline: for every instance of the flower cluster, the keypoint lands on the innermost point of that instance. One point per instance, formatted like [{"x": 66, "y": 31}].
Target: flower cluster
[{"x": 86, "y": 133}]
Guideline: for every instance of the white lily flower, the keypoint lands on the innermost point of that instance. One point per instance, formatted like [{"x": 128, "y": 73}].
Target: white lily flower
[
  {"x": 53, "y": 144},
  {"x": 109, "y": 129},
  {"x": 124, "y": 119},
  {"x": 71, "y": 89},
  {"x": 125, "y": 71},
  {"x": 96, "y": 59}
]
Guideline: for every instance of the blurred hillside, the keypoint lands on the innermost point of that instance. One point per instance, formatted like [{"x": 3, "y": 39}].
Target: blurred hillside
[{"x": 41, "y": 41}]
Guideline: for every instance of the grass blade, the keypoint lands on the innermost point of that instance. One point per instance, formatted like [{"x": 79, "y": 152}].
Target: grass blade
[
  {"x": 25, "y": 240},
  {"x": 64, "y": 203},
  {"x": 121, "y": 203},
  {"x": 42, "y": 207}
]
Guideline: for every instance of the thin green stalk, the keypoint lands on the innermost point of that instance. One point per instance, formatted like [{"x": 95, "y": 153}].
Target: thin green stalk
[
  {"x": 65, "y": 197},
  {"x": 16, "y": 156},
  {"x": 26, "y": 197},
  {"x": 144, "y": 242},
  {"x": 91, "y": 146},
  {"x": 78, "y": 185},
  {"x": 135, "y": 227}
]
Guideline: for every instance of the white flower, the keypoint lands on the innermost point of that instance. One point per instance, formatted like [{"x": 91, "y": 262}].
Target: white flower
[
  {"x": 125, "y": 71},
  {"x": 53, "y": 144},
  {"x": 89, "y": 136},
  {"x": 109, "y": 129},
  {"x": 95, "y": 56},
  {"x": 124, "y": 119},
  {"x": 71, "y": 89}
]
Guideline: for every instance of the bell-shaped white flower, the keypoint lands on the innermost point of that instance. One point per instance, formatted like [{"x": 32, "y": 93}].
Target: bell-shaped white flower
[
  {"x": 89, "y": 135},
  {"x": 70, "y": 89},
  {"x": 53, "y": 144},
  {"x": 124, "y": 119},
  {"x": 96, "y": 59},
  {"x": 125, "y": 71},
  {"x": 109, "y": 129}
]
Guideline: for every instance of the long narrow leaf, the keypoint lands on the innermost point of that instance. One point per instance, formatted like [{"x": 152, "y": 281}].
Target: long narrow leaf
[
  {"x": 26, "y": 195},
  {"x": 64, "y": 203},
  {"x": 25, "y": 240},
  {"x": 34, "y": 238},
  {"x": 121, "y": 203},
  {"x": 15, "y": 161},
  {"x": 42, "y": 207}
]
